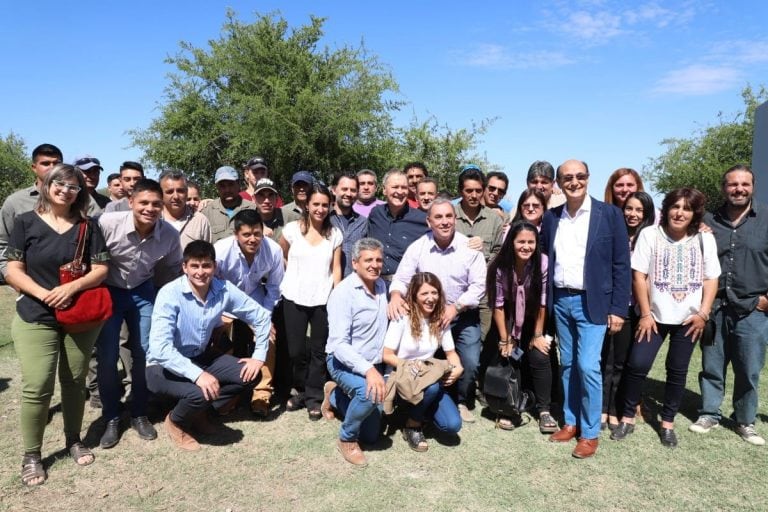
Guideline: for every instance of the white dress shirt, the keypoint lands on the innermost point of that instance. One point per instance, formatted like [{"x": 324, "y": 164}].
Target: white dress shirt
[{"x": 571, "y": 247}]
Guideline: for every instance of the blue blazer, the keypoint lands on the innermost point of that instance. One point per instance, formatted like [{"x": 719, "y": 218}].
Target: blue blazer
[{"x": 607, "y": 271}]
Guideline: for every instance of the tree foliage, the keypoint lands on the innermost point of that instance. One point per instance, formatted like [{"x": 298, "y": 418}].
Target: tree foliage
[
  {"x": 266, "y": 89},
  {"x": 14, "y": 165},
  {"x": 699, "y": 161}
]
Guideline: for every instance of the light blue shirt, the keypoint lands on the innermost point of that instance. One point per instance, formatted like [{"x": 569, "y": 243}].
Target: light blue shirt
[
  {"x": 357, "y": 323},
  {"x": 182, "y": 324},
  {"x": 267, "y": 263}
]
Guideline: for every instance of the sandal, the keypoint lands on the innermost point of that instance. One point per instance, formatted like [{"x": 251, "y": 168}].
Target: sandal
[
  {"x": 547, "y": 424},
  {"x": 32, "y": 468},
  {"x": 78, "y": 450},
  {"x": 504, "y": 423},
  {"x": 415, "y": 439}
]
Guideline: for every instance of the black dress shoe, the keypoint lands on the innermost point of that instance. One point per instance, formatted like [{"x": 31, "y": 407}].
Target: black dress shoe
[
  {"x": 622, "y": 431},
  {"x": 668, "y": 437},
  {"x": 144, "y": 428},
  {"x": 111, "y": 434}
]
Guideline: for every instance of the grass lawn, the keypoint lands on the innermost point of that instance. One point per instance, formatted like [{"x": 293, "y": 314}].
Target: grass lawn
[{"x": 290, "y": 464}]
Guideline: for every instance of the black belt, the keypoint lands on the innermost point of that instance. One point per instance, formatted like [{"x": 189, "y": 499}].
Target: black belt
[{"x": 570, "y": 291}]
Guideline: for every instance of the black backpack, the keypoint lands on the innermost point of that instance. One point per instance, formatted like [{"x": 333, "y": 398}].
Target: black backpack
[{"x": 503, "y": 390}]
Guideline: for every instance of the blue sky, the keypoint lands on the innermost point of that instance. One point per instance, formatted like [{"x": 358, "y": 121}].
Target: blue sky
[{"x": 601, "y": 81}]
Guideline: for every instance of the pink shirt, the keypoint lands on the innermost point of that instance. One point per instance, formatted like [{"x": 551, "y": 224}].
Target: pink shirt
[{"x": 519, "y": 292}]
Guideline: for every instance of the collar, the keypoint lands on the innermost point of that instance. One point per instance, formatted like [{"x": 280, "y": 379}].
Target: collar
[
  {"x": 131, "y": 226},
  {"x": 454, "y": 245},
  {"x": 403, "y": 212},
  {"x": 379, "y": 287},
  {"x": 217, "y": 285},
  {"x": 585, "y": 207},
  {"x": 481, "y": 214}
]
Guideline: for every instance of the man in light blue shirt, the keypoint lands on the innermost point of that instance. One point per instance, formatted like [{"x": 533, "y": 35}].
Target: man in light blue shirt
[
  {"x": 253, "y": 263},
  {"x": 357, "y": 322},
  {"x": 183, "y": 360}
]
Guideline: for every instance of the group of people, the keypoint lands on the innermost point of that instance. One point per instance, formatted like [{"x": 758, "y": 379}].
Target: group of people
[{"x": 350, "y": 306}]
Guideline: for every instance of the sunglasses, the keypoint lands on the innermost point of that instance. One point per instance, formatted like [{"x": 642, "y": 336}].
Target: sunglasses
[
  {"x": 530, "y": 206},
  {"x": 67, "y": 187},
  {"x": 499, "y": 190},
  {"x": 582, "y": 176}
]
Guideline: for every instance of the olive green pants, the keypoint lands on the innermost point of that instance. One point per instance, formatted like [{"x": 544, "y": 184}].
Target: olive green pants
[{"x": 39, "y": 349}]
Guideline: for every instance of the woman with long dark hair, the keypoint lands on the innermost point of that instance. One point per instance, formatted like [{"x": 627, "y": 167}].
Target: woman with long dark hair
[
  {"x": 43, "y": 240},
  {"x": 312, "y": 249},
  {"x": 639, "y": 213},
  {"x": 675, "y": 270},
  {"x": 516, "y": 286},
  {"x": 530, "y": 207}
]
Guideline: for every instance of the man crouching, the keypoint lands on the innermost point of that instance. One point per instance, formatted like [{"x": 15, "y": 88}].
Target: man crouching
[
  {"x": 184, "y": 360},
  {"x": 357, "y": 321}
]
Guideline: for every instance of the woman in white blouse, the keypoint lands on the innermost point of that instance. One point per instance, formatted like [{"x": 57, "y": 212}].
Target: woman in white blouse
[
  {"x": 674, "y": 272},
  {"x": 312, "y": 249},
  {"x": 417, "y": 336}
]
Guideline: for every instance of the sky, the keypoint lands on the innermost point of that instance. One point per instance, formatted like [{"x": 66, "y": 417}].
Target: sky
[{"x": 600, "y": 81}]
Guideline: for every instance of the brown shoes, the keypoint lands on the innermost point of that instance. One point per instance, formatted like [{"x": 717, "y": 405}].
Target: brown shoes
[
  {"x": 565, "y": 434},
  {"x": 351, "y": 452},
  {"x": 325, "y": 407},
  {"x": 585, "y": 448},
  {"x": 180, "y": 438}
]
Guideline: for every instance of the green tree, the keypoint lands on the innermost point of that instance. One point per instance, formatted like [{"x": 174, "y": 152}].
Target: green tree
[
  {"x": 442, "y": 149},
  {"x": 265, "y": 89},
  {"x": 14, "y": 165},
  {"x": 699, "y": 161}
]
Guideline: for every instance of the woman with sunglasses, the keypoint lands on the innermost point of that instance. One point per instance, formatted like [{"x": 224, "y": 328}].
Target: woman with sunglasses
[{"x": 530, "y": 207}]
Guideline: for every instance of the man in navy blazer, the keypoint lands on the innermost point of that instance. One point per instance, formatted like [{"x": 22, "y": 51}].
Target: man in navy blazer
[{"x": 587, "y": 293}]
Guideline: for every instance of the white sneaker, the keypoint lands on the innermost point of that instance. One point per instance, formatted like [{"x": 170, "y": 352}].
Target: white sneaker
[
  {"x": 704, "y": 424},
  {"x": 466, "y": 414},
  {"x": 750, "y": 435}
]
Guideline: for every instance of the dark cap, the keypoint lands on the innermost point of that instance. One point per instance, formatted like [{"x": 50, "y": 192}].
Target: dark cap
[
  {"x": 265, "y": 183},
  {"x": 304, "y": 176},
  {"x": 256, "y": 163},
  {"x": 87, "y": 162}
]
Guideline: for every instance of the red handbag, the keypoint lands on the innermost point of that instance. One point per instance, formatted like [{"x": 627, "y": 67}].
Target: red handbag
[{"x": 90, "y": 308}]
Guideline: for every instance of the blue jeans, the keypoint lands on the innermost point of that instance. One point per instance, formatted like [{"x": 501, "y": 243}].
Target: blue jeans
[
  {"x": 465, "y": 329},
  {"x": 740, "y": 341},
  {"x": 135, "y": 308},
  {"x": 437, "y": 406},
  {"x": 362, "y": 417},
  {"x": 581, "y": 342}
]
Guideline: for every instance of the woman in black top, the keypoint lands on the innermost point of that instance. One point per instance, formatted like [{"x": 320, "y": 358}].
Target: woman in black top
[{"x": 41, "y": 241}]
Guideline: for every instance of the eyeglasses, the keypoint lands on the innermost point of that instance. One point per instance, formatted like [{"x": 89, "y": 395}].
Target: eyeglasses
[
  {"x": 85, "y": 161},
  {"x": 499, "y": 190},
  {"x": 582, "y": 176},
  {"x": 67, "y": 187},
  {"x": 531, "y": 206}
]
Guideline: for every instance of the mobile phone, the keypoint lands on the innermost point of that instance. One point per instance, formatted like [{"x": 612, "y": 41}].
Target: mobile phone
[{"x": 516, "y": 354}]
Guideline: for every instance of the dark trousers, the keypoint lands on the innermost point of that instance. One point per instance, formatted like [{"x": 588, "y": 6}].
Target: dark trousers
[
  {"x": 307, "y": 359},
  {"x": 641, "y": 359},
  {"x": 191, "y": 399},
  {"x": 537, "y": 372},
  {"x": 614, "y": 357}
]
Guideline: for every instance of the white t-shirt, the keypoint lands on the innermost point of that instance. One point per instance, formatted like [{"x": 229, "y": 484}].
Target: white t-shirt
[
  {"x": 308, "y": 277},
  {"x": 675, "y": 272},
  {"x": 400, "y": 339}
]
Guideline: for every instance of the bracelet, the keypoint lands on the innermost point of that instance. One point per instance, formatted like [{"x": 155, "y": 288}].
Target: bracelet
[
  {"x": 703, "y": 317},
  {"x": 538, "y": 334},
  {"x": 643, "y": 316}
]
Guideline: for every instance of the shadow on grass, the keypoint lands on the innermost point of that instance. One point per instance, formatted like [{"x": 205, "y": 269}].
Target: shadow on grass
[
  {"x": 4, "y": 384},
  {"x": 224, "y": 435},
  {"x": 653, "y": 402}
]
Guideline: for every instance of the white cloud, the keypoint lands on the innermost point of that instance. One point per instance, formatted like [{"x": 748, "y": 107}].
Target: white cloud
[
  {"x": 495, "y": 56},
  {"x": 698, "y": 80},
  {"x": 594, "y": 28},
  {"x": 740, "y": 51}
]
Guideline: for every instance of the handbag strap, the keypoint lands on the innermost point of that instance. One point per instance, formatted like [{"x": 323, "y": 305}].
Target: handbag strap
[{"x": 80, "y": 251}]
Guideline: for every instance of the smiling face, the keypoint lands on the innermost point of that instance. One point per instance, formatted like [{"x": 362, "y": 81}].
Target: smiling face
[
  {"x": 346, "y": 193},
  {"x": 200, "y": 273},
  {"x": 368, "y": 266},
  {"x": 426, "y": 192},
  {"x": 92, "y": 177},
  {"x": 427, "y": 299},
  {"x": 318, "y": 207},
  {"x": 543, "y": 185},
  {"x": 633, "y": 212},
  {"x": 229, "y": 192},
  {"x": 573, "y": 179},
  {"x": 442, "y": 221},
  {"x": 146, "y": 207},
  {"x": 622, "y": 188},
  {"x": 679, "y": 217},
  {"x": 63, "y": 192},
  {"x": 193, "y": 197},
  {"x": 524, "y": 245},
  {"x": 532, "y": 210},
  {"x": 266, "y": 199},
  {"x": 174, "y": 196},
  {"x": 249, "y": 239},
  {"x": 495, "y": 191},
  {"x": 414, "y": 175},
  {"x": 738, "y": 188},
  {"x": 396, "y": 190}
]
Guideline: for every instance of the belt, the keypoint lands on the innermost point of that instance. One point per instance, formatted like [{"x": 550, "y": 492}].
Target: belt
[{"x": 569, "y": 291}]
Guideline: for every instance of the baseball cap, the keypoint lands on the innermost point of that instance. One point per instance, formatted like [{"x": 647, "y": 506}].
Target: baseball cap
[
  {"x": 256, "y": 163},
  {"x": 265, "y": 183},
  {"x": 225, "y": 173},
  {"x": 87, "y": 162},
  {"x": 304, "y": 176}
]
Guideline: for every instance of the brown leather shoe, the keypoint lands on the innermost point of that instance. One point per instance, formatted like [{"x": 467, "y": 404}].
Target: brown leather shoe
[
  {"x": 351, "y": 452},
  {"x": 585, "y": 448},
  {"x": 180, "y": 438},
  {"x": 325, "y": 407},
  {"x": 260, "y": 408},
  {"x": 565, "y": 434}
]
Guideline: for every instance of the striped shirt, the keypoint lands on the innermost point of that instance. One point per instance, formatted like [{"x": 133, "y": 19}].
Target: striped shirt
[{"x": 261, "y": 279}]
